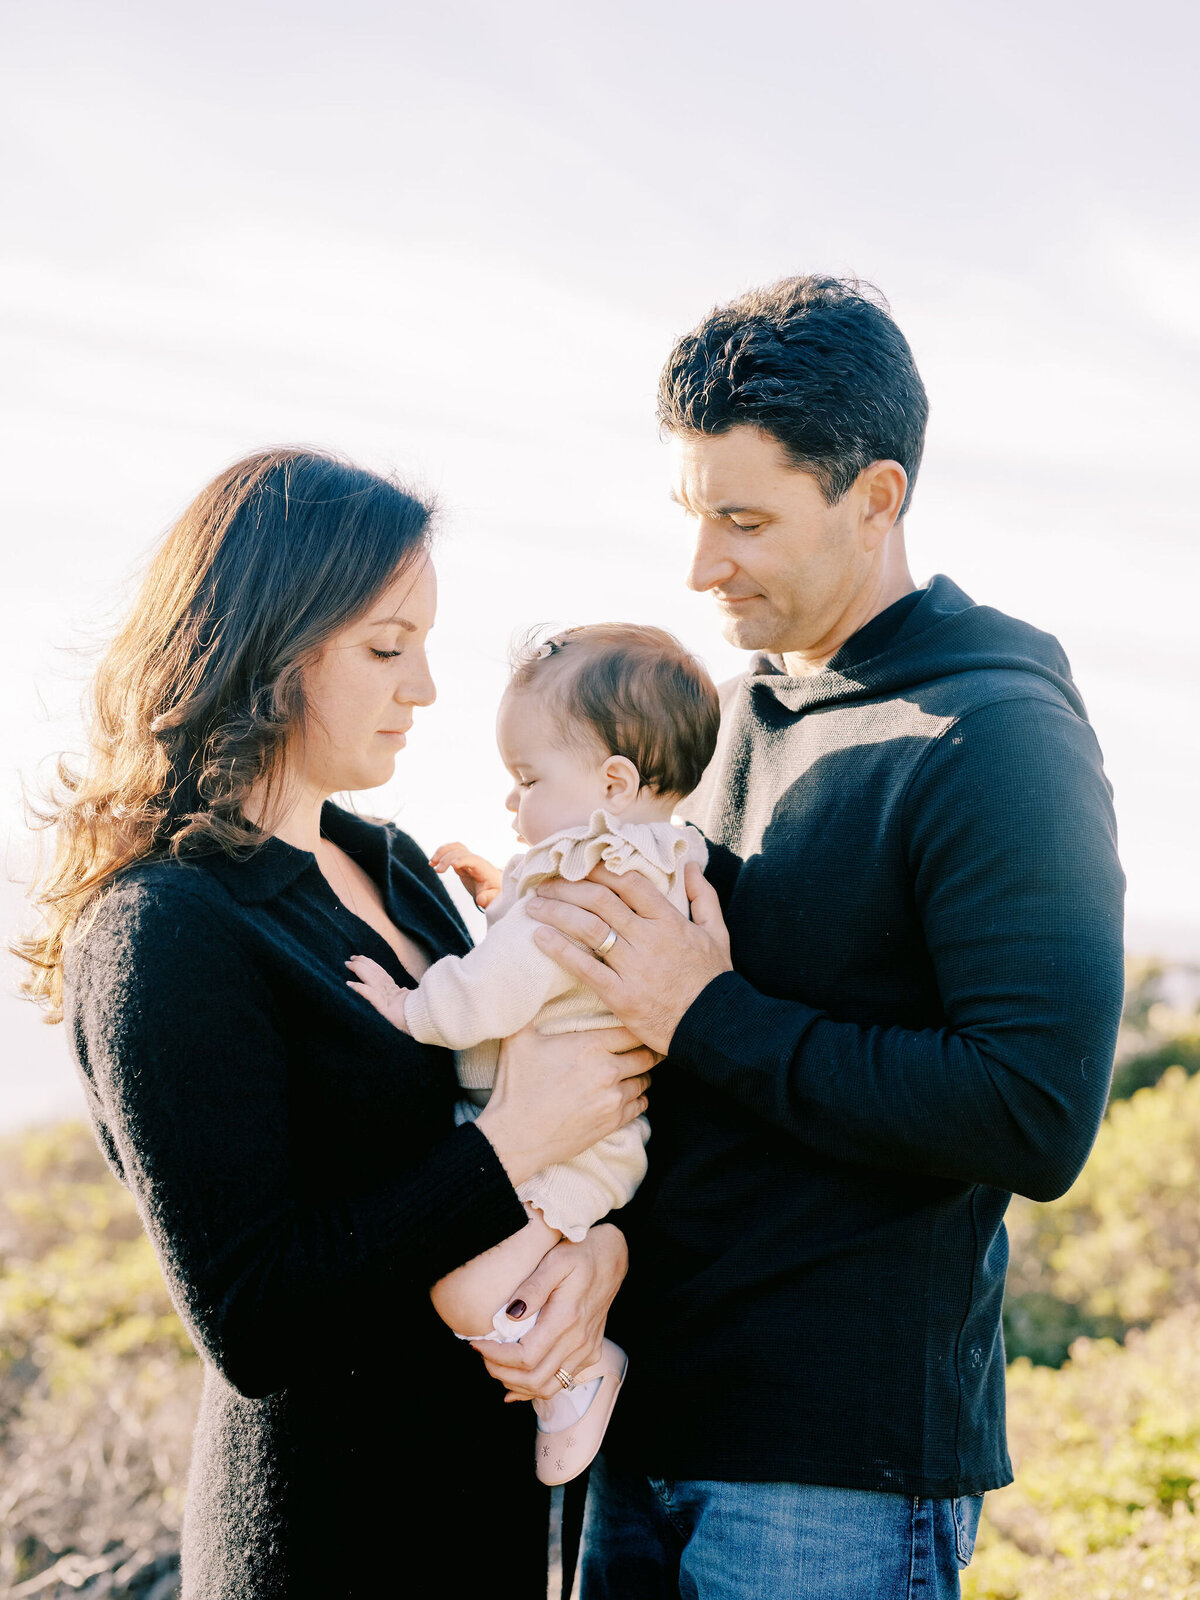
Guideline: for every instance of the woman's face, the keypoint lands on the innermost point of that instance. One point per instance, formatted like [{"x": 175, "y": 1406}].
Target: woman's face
[{"x": 363, "y": 687}]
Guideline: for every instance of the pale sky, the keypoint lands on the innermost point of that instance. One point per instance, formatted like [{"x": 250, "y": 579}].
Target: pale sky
[{"x": 458, "y": 241}]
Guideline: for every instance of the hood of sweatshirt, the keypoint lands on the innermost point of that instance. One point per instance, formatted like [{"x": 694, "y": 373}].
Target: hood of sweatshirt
[{"x": 945, "y": 633}]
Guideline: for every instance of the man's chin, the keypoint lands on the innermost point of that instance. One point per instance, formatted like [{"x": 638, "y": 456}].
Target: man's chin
[{"x": 749, "y": 633}]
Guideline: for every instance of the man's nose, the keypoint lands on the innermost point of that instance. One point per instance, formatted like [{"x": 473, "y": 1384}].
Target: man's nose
[{"x": 710, "y": 565}]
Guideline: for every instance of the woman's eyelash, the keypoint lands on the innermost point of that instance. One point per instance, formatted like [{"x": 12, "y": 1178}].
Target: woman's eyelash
[{"x": 385, "y": 655}]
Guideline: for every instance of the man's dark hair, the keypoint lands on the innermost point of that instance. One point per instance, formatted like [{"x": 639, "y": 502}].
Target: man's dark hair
[{"x": 817, "y": 363}]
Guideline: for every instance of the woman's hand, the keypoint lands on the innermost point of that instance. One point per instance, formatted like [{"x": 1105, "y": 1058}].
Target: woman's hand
[
  {"x": 573, "y": 1288},
  {"x": 556, "y": 1096},
  {"x": 480, "y": 878},
  {"x": 660, "y": 962}
]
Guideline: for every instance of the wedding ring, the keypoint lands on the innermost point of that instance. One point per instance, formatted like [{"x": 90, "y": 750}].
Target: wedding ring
[
  {"x": 565, "y": 1378},
  {"x": 602, "y": 949}
]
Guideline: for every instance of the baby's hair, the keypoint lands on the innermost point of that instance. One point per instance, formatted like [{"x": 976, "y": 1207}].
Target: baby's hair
[{"x": 633, "y": 688}]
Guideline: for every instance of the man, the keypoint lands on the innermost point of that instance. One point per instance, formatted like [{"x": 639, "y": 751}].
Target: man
[{"x": 915, "y": 854}]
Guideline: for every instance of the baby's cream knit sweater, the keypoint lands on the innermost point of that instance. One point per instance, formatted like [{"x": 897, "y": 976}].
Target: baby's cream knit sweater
[{"x": 471, "y": 1002}]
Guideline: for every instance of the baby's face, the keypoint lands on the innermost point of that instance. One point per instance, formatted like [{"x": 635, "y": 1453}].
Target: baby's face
[{"x": 555, "y": 786}]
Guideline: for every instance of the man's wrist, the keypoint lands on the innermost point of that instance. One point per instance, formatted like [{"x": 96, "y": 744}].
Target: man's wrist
[
  {"x": 746, "y": 1043},
  {"x": 611, "y": 1242},
  {"x": 516, "y": 1160},
  {"x": 694, "y": 1027}
]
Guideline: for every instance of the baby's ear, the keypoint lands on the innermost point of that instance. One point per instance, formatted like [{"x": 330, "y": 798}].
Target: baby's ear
[{"x": 622, "y": 782}]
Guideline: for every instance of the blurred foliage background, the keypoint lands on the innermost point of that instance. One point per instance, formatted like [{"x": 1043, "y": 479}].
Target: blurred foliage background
[
  {"x": 1102, "y": 1330},
  {"x": 98, "y": 1383}
]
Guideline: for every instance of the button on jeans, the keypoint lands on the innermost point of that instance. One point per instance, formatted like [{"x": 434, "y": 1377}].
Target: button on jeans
[{"x": 661, "y": 1539}]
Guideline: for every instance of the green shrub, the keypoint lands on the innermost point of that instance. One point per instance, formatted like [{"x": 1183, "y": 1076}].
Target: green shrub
[
  {"x": 1146, "y": 1067},
  {"x": 1154, "y": 1034},
  {"x": 98, "y": 1381},
  {"x": 1122, "y": 1247},
  {"x": 1106, "y": 1503}
]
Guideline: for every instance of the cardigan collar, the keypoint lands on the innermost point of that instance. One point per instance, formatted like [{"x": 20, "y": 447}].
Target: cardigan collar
[{"x": 276, "y": 865}]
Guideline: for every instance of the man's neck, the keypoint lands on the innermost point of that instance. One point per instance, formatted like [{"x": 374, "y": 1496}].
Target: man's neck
[{"x": 890, "y": 582}]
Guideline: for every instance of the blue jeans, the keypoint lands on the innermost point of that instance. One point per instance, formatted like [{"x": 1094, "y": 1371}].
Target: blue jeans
[{"x": 671, "y": 1539}]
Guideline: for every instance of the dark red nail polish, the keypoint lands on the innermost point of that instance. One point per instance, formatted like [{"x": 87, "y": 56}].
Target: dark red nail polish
[{"x": 516, "y": 1311}]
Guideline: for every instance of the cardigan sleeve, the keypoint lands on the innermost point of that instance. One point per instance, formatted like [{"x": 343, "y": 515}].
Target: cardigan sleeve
[
  {"x": 1011, "y": 848},
  {"x": 181, "y": 1040}
]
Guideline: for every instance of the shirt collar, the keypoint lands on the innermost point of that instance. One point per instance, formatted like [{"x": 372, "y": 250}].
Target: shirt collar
[
  {"x": 866, "y": 662},
  {"x": 275, "y": 865}
]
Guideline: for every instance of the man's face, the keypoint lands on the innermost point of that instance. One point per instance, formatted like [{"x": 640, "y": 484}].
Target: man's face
[{"x": 782, "y": 565}]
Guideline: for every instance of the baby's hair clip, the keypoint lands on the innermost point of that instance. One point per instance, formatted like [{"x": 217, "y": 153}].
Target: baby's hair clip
[{"x": 546, "y": 650}]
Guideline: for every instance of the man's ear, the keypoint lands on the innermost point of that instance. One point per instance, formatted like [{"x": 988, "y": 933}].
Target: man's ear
[
  {"x": 622, "y": 783},
  {"x": 882, "y": 487}
]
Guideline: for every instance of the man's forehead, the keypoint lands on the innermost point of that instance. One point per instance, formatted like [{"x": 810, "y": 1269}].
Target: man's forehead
[{"x": 725, "y": 473}]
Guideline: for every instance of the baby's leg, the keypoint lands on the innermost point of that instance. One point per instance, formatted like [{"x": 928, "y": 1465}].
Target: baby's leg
[{"x": 469, "y": 1297}]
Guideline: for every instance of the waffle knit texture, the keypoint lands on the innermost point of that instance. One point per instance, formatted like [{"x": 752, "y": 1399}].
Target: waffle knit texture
[
  {"x": 297, "y": 1166},
  {"x": 916, "y": 854},
  {"x": 471, "y": 1002}
]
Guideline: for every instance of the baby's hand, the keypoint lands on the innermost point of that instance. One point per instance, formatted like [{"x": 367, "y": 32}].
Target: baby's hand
[
  {"x": 374, "y": 985},
  {"x": 479, "y": 878}
]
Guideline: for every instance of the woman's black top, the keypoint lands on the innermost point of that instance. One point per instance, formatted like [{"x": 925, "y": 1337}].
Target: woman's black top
[{"x": 296, "y": 1164}]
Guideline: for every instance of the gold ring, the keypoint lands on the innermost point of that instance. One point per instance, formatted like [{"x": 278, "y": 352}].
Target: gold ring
[
  {"x": 606, "y": 944},
  {"x": 565, "y": 1378}
]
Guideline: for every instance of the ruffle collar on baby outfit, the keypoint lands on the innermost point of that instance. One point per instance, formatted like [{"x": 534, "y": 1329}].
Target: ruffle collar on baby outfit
[{"x": 620, "y": 846}]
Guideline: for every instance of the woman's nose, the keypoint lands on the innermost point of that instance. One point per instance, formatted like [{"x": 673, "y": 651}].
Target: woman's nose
[
  {"x": 419, "y": 690},
  {"x": 710, "y": 565}
]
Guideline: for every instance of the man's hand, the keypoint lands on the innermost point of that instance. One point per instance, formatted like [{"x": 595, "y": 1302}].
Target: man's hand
[
  {"x": 480, "y": 878},
  {"x": 573, "y": 1288},
  {"x": 660, "y": 961},
  {"x": 556, "y": 1095}
]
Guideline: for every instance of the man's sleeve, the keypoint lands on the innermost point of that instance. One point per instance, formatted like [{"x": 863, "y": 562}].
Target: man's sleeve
[{"x": 1011, "y": 845}]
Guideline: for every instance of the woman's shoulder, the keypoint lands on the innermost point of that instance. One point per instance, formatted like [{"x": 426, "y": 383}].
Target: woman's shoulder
[
  {"x": 161, "y": 886},
  {"x": 415, "y": 885},
  {"x": 154, "y": 905},
  {"x": 404, "y": 852},
  {"x": 361, "y": 835},
  {"x": 402, "y": 847}
]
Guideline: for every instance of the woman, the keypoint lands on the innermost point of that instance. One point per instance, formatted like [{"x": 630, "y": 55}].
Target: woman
[{"x": 295, "y": 1159}]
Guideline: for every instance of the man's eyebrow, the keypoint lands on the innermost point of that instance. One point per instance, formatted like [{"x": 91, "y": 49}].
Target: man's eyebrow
[
  {"x": 400, "y": 622},
  {"x": 724, "y": 511}
]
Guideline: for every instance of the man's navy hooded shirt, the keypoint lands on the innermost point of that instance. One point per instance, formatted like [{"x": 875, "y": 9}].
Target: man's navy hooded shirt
[{"x": 916, "y": 854}]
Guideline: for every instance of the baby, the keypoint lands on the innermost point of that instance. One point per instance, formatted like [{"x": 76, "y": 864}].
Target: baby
[{"x": 604, "y": 730}]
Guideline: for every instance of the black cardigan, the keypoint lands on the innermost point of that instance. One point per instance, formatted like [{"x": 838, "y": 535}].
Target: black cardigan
[
  {"x": 296, "y": 1164},
  {"x": 916, "y": 853}
]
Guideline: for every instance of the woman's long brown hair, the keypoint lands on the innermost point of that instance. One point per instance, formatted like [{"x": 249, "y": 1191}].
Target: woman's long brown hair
[{"x": 197, "y": 694}]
